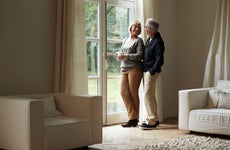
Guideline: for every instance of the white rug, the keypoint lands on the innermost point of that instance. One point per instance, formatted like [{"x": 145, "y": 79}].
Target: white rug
[{"x": 191, "y": 142}]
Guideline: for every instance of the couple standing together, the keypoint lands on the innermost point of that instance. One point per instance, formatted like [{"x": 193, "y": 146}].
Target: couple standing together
[{"x": 137, "y": 58}]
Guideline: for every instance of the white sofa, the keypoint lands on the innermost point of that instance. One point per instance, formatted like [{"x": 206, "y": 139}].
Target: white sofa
[
  {"x": 206, "y": 109},
  {"x": 32, "y": 122}
]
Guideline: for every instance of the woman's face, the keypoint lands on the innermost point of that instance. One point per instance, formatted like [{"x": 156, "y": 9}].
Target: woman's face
[{"x": 135, "y": 29}]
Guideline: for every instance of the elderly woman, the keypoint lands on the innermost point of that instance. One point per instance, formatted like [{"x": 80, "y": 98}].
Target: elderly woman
[{"x": 131, "y": 72}]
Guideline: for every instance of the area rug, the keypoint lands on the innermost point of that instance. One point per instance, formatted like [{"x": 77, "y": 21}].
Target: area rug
[{"x": 191, "y": 142}]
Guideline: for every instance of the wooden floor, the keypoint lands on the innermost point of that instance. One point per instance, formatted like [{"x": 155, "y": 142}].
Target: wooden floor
[{"x": 117, "y": 138}]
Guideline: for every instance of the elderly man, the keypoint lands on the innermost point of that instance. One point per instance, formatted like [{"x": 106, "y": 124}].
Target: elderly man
[{"x": 152, "y": 63}]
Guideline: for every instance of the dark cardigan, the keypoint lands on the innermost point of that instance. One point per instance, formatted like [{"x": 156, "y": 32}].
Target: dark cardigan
[{"x": 154, "y": 55}]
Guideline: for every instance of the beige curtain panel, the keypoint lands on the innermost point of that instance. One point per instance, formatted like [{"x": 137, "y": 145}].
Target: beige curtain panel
[
  {"x": 218, "y": 61},
  {"x": 150, "y": 10},
  {"x": 70, "y": 71}
]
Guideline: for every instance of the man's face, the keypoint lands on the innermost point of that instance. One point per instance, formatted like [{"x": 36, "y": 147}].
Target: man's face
[{"x": 147, "y": 29}]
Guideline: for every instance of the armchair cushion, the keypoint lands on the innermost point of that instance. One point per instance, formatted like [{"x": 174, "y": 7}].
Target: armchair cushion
[
  {"x": 76, "y": 132},
  {"x": 219, "y": 98},
  {"x": 224, "y": 101},
  {"x": 50, "y": 107},
  {"x": 210, "y": 121},
  {"x": 213, "y": 98},
  {"x": 60, "y": 120}
]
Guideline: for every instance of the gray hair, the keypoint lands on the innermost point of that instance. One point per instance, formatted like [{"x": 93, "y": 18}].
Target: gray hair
[{"x": 153, "y": 24}]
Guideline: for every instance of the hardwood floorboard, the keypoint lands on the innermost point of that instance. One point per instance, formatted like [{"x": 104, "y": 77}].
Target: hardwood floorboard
[{"x": 118, "y": 138}]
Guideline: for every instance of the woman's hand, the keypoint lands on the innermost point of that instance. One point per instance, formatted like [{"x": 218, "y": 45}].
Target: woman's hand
[{"x": 122, "y": 56}]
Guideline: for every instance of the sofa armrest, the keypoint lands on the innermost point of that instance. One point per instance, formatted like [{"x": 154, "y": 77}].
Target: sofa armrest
[
  {"x": 188, "y": 100},
  {"x": 84, "y": 107},
  {"x": 21, "y": 124}
]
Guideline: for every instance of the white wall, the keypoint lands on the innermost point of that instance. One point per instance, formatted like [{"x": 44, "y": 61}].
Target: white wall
[
  {"x": 27, "y": 40},
  {"x": 186, "y": 26}
]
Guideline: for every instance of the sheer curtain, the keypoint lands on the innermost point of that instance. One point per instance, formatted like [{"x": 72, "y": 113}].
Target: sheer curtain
[
  {"x": 70, "y": 68},
  {"x": 149, "y": 9},
  {"x": 218, "y": 61}
]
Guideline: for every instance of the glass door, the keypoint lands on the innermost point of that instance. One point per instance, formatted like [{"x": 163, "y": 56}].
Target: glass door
[
  {"x": 118, "y": 16},
  {"x": 106, "y": 26}
]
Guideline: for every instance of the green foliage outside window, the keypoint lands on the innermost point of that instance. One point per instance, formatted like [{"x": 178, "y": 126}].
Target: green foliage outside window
[
  {"x": 91, "y": 19},
  {"x": 117, "y": 24}
]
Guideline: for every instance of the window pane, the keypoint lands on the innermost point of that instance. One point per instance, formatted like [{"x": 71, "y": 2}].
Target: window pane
[
  {"x": 114, "y": 101},
  {"x": 117, "y": 22},
  {"x": 93, "y": 86},
  {"x": 113, "y": 67},
  {"x": 92, "y": 58},
  {"x": 91, "y": 19}
]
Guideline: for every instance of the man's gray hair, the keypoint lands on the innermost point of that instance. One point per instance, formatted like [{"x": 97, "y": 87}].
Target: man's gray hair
[{"x": 153, "y": 24}]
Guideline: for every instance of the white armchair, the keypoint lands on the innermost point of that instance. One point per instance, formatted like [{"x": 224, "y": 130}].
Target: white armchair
[
  {"x": 25, "y": 126},
  {"x": 206, "y": 109}
]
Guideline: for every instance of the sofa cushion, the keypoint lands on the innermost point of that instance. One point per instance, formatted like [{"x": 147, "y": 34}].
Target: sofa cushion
[
  {"x": 50, "y": 107},
  {"x": 219, "y": 98},
  {"x": 59, "y": 120},
  {"x": 75, "y": 132},
  {"x": 213, "y": 98},
  {"x": 210, "y": 121},
  {"x": 224, "y": 100},
  {"x": 223, "y": 84}
]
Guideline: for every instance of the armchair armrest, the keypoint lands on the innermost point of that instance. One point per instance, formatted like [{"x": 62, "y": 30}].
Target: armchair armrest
[
  {"x": 84, "y": 107},
  {"x": 188, "y": 100},
  {"x": 21, "y": 124}
]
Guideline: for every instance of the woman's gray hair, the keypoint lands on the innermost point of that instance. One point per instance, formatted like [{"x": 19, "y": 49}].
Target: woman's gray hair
[{"x": 153, "y": 24}]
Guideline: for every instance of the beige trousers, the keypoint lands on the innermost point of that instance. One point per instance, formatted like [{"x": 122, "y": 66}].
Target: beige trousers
[
  {"x": 130, "y": 82},
  {"x": 150, "y": 97}
]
